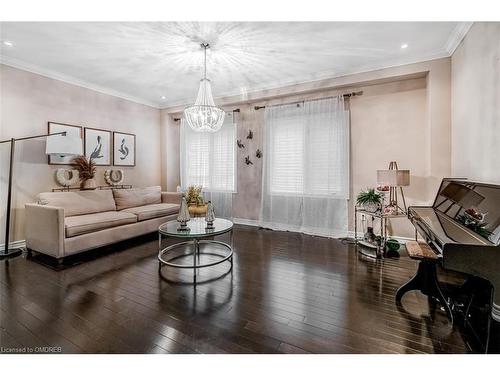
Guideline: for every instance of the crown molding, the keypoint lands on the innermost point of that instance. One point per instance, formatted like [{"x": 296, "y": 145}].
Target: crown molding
[
  {"x": 456, "y": 36},
  {"x": 446, "y": 51},
  {"x": 18, "y": 64},
  {"x": 254, "y": 95}
]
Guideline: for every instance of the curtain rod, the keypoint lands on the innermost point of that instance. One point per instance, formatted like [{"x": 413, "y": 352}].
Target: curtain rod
[
  {"x": 348, "y": 95},
  {"x": 179, "y": 119}
]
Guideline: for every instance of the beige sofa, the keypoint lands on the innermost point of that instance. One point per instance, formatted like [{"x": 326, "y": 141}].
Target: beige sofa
[{"x": 66, "y": 223}]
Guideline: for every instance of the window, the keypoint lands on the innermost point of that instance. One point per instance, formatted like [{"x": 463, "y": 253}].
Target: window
[
  {"x": 209, "y": 159},
  {"x": 308, "y": 150}
]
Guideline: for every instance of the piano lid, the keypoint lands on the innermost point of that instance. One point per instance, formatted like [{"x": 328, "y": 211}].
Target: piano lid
[{"x": 467, "y": 211}]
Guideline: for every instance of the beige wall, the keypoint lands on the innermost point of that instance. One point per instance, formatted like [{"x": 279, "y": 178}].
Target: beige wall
[
  {"x": 476, "y": 104},
  {"x": 28, "y": 101},
  {"x": 403, "y": 115}
]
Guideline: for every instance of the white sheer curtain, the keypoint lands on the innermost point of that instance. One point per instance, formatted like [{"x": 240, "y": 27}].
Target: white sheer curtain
[
  {"x": 209, "y": 160},
  {"x": 305, "y": 183}
]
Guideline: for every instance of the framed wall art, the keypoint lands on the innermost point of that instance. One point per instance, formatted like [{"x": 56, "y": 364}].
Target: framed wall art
[
  {"x": 98, "y": 145},
  {"x": 72, "y": 131},
  {"x": 124, "y": 149}
]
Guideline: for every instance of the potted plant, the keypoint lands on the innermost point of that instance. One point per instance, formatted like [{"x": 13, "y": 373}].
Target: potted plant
[
  {"x": 86, "y": 169},
  {"x": 370, "y": 200},
  {"x": 195, "y": 201}
]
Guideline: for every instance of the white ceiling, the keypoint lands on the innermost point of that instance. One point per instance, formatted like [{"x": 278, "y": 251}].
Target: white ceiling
[{"x": 142, "y": 61}]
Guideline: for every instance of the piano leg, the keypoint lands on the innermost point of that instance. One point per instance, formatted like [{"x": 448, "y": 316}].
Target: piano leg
[{"x": 426, "y": 281}]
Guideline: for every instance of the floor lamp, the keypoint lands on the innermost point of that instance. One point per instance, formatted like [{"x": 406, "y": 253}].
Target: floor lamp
[{"x": 57, "y": 144}]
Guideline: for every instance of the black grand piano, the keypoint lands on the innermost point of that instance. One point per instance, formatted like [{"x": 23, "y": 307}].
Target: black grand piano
[{"x": 463, "y": 228}]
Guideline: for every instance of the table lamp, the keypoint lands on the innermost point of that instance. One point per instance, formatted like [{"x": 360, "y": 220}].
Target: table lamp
[{"x": 394, "y": 178}]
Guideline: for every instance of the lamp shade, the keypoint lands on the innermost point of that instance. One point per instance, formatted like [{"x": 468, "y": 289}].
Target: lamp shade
[
  {"x": 393, "y": 177},
  {"x": 63, "y": 145}
]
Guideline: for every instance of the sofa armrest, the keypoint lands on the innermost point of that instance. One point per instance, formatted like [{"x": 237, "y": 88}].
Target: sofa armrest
[
  {"x": 45, "y": 229},
  {"x": 171, "y": 197}
]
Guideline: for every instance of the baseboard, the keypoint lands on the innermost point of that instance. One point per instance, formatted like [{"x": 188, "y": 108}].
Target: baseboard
[
  {"x": 14, "y": 245},
  {"x": 253, "y": 223},
  {"x": 286, "y": 228}
]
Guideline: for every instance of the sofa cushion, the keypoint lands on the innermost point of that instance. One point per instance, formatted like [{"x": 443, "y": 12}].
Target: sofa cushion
[
  {"x": 126, "y": 198},
  {"x": 80, "y": 202},
  {"x": 81, "y": 224},
  {"x": 153, "y": 210}
]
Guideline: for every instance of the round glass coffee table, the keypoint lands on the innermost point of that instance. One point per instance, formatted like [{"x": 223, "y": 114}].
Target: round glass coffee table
[{"x": 195, "y": 236}]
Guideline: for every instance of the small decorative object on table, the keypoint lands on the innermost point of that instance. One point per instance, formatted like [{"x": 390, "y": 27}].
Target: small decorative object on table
[
  {"x": 183, "y": 216},
  {"x": 210, "y": 216},
  {"x": 196, "y": 204},
  {"x": 86, "y": 169},
  {"x": 392, "y": 246}
]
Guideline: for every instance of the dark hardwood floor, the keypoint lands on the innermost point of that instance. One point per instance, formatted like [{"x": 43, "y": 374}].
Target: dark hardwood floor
[{"x": 287, "y": 293}]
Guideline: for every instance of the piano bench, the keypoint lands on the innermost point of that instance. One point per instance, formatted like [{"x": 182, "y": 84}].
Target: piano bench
[
  {"x": 420, "y": 251},
  {"x": 425, "y": 279}
]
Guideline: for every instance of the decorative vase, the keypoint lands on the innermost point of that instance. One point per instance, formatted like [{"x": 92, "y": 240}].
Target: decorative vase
[
  {"x": 183, "y": 216},
  {"x": 89, "y": 184},
  {"x": 210, "y": 215},
  {"x": 197, "y": 210},
  {"x": 370, "y": 207}
]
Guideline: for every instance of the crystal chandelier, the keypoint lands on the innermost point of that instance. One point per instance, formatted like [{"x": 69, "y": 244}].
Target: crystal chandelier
[{"x": 204, "y": 116}]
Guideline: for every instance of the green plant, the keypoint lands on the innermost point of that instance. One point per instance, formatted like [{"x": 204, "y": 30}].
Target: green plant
[
  {"x": 194, "y": 195},
  {"x": 369, "y": 196}
]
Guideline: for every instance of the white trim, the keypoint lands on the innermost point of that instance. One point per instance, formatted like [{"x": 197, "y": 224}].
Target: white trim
[
  {"x": 257, "y": 92},
  {"x": 14, "y": 245},
  {"x": 257, "y": 223},
  {"x": 287, "y": 228},
  {"x": 18, "y": 64},
  {"x": 252, "y": 223},
  {"x": 456, "y": 36}
]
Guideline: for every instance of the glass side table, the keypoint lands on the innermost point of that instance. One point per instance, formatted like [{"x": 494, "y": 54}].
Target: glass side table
[
  {"x": 195, "y": 236},
  {"x": 379, "y": 247}
]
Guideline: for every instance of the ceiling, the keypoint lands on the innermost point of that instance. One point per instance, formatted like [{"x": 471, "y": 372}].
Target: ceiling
[{"x": 143, "y": 61}]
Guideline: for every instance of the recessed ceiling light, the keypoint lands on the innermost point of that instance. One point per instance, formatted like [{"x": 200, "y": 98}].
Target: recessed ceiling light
[
  {"x": 163, "y": 97},
  {"x": 404, "y": 45},
  {"x": 8, "y": 43}
]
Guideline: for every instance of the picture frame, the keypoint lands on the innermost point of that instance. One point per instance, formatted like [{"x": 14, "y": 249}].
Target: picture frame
[
  {"x": 71, "y": 130},
  {"x": 97, "y": 145},
  {"x": 124, "y": 149}
]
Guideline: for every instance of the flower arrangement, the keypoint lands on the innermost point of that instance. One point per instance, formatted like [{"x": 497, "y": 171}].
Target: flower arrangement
[
  {"x": 194, "y": 195},
  {"x": 86, "y": 169}
]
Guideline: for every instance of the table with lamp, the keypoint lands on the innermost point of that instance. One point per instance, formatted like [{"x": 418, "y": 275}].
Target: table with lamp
[
  {"x": 56, "y": 144},
  {"x": 394, "y": 179}
]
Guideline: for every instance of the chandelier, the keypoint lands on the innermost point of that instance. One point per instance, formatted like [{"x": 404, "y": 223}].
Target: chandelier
[{"x": 204, "y": 116}]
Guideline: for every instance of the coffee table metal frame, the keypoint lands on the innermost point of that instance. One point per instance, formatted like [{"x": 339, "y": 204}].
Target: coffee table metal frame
[{"x": 196, "y": 240}]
